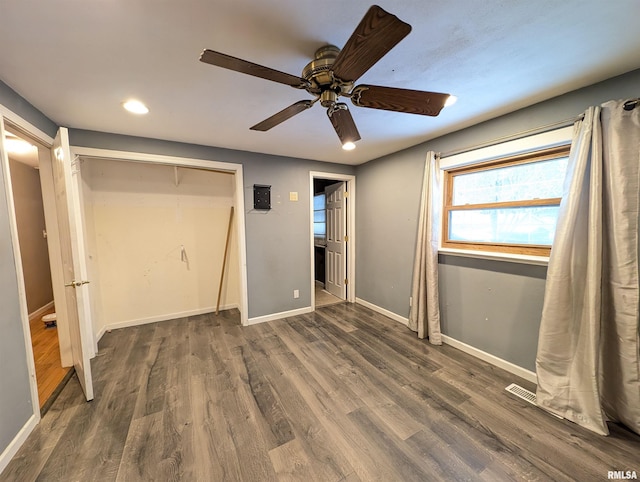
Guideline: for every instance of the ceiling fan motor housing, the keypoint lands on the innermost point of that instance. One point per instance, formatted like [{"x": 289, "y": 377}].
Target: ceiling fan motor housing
[{"x": 319, "y": 72}]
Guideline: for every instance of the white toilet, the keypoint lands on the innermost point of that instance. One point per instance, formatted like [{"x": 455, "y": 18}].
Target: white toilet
[{"x": 49, "y": 320}]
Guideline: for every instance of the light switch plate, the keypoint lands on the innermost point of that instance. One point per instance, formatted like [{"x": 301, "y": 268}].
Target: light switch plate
[{"x": 293, "y": 196}]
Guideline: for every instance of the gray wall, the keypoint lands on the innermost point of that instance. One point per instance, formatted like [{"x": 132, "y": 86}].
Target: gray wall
[
  {"x": 503, "y": 321},
  {"x": 386, "y": 227},
  {"x": 15, "y": 394},
  {"x": 19, "y": 105},
  {"x": 492, "y": 305},
  {"x": 278, "y": 256}
]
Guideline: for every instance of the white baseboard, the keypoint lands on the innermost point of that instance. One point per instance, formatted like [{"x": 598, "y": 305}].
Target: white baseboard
[
  {"x": 18, "y": 441},
  {"x": 382, "y": 311},
  {"x": 482, "y": 355},
  {"x": 41, "y": 311},
  {"x": 489, "y": 358},
  {"x": 100, "y": 334},
  {"x": 278, "y": 316},
  {"x": 155, "y": 319}
]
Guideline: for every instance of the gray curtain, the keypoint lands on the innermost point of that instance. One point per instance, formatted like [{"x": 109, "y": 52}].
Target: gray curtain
[
  {"x": 588, "y": 360},
  {"x": 424, "y": 316}
]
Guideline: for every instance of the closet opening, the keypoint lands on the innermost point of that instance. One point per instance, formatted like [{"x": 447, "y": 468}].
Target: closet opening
[{"x": 162, "y": 241}]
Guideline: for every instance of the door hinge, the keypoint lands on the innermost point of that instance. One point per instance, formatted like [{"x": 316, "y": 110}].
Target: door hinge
[
  {"x": 346, "y": 281},
  {"x": 346, "y": 194},
  {"x": 346, "y": 238}
]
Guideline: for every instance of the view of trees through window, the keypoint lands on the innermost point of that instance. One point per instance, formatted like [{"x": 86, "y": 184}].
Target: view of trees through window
[
  {"x": 505, "y": 204},
  {"x": 533, "y": 180},
  {"x": 532, "y": 225}
]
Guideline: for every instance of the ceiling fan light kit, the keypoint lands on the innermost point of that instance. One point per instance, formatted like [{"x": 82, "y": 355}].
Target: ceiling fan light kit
[{"x": 333, "y": 72}]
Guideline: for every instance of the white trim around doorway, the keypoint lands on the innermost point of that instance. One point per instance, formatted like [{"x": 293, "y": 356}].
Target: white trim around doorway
[{"x": 351, "y": 230}]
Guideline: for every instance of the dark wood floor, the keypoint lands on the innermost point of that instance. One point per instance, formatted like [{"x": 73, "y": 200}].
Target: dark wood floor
[{"x": 343, "y": 394}]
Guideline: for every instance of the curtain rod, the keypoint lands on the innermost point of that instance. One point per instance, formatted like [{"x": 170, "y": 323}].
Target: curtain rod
[
  {"x": 628, "y": 105},
  {"x": 513, "y": 137}
]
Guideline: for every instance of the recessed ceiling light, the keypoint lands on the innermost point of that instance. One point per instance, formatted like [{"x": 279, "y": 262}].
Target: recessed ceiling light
[
  {"x": 348, "y": 146},
  {"x": 450, "y": 101},
  {"x": 135, "y": 107}
]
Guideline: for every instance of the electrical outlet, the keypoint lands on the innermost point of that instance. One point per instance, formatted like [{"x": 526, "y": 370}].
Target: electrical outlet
[{"x": 296, "y": 294}]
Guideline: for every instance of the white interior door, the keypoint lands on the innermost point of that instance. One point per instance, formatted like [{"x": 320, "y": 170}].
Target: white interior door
[
  {"x": 67, "y": 211},
  {"x": 336, "y": 251}
]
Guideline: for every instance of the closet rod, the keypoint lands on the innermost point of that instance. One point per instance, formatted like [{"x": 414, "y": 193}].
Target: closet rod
[{"x": 513, "y": 137}]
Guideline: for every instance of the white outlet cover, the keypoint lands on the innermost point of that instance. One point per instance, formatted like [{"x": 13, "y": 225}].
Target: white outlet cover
[{"x": 293, "y": 196}]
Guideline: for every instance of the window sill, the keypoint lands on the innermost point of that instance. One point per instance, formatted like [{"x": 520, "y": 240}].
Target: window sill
[{"x": 508, "y": 257}]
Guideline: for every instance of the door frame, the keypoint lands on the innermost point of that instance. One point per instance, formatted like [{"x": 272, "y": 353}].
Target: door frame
[
  {"x": 350, "y": 181},
  {"x": 9, "y": 117},
  {"x": 210, "y": 165}
]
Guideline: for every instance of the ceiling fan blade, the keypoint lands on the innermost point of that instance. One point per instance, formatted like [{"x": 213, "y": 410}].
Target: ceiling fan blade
[
  {"x": 233, "y": 63},
  {"x": 343, "y": 123},
  {"x": 399, "y": 100},
  {"x": 283, "y": 115},
  {"x": 377, "y": 33}
]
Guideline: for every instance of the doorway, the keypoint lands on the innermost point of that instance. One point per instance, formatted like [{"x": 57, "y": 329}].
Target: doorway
[
  {"x": 332, "y": 238},
  {"x": 178, "y": 171},
  {"x": 24, "y": 154}
]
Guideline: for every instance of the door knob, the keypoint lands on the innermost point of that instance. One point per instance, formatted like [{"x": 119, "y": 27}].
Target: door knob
[{"x": 75, "y": 283}]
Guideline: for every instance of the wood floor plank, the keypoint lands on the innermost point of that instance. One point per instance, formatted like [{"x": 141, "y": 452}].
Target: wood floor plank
[
  {"x": 108, "y": 419},
  {"x": 291, "y": 463},
  {"x": 270, "y": 352},
  {"x": 269, "y": 406},
  {"x": 319, "y": 364},
  {"x": 214, "y": 450},
  {"x": 46, "y": 355},
  {"x": 386, "y": 447},
  {"x": 236, "y": 406},
  {"x": 439, "y": 457},
  {"x": 35, "y": 452},
  {"x": 345, "y": 439},
  {"x": 251, "y": 451},
  {"x": 142, "y": 452},
  {"x": 342, "y": 394}
]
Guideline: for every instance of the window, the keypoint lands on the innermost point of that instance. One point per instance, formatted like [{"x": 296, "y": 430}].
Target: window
[
  {"x": 319, "y": 219},
  {"x": 508, "y": 205}
]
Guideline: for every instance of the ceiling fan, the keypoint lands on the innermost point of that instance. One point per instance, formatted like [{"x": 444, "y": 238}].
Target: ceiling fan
[{"x": 333, "y": 73}]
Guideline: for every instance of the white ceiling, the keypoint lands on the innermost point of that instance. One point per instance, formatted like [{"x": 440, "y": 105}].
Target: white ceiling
[{"x": 77, "y": 60}]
